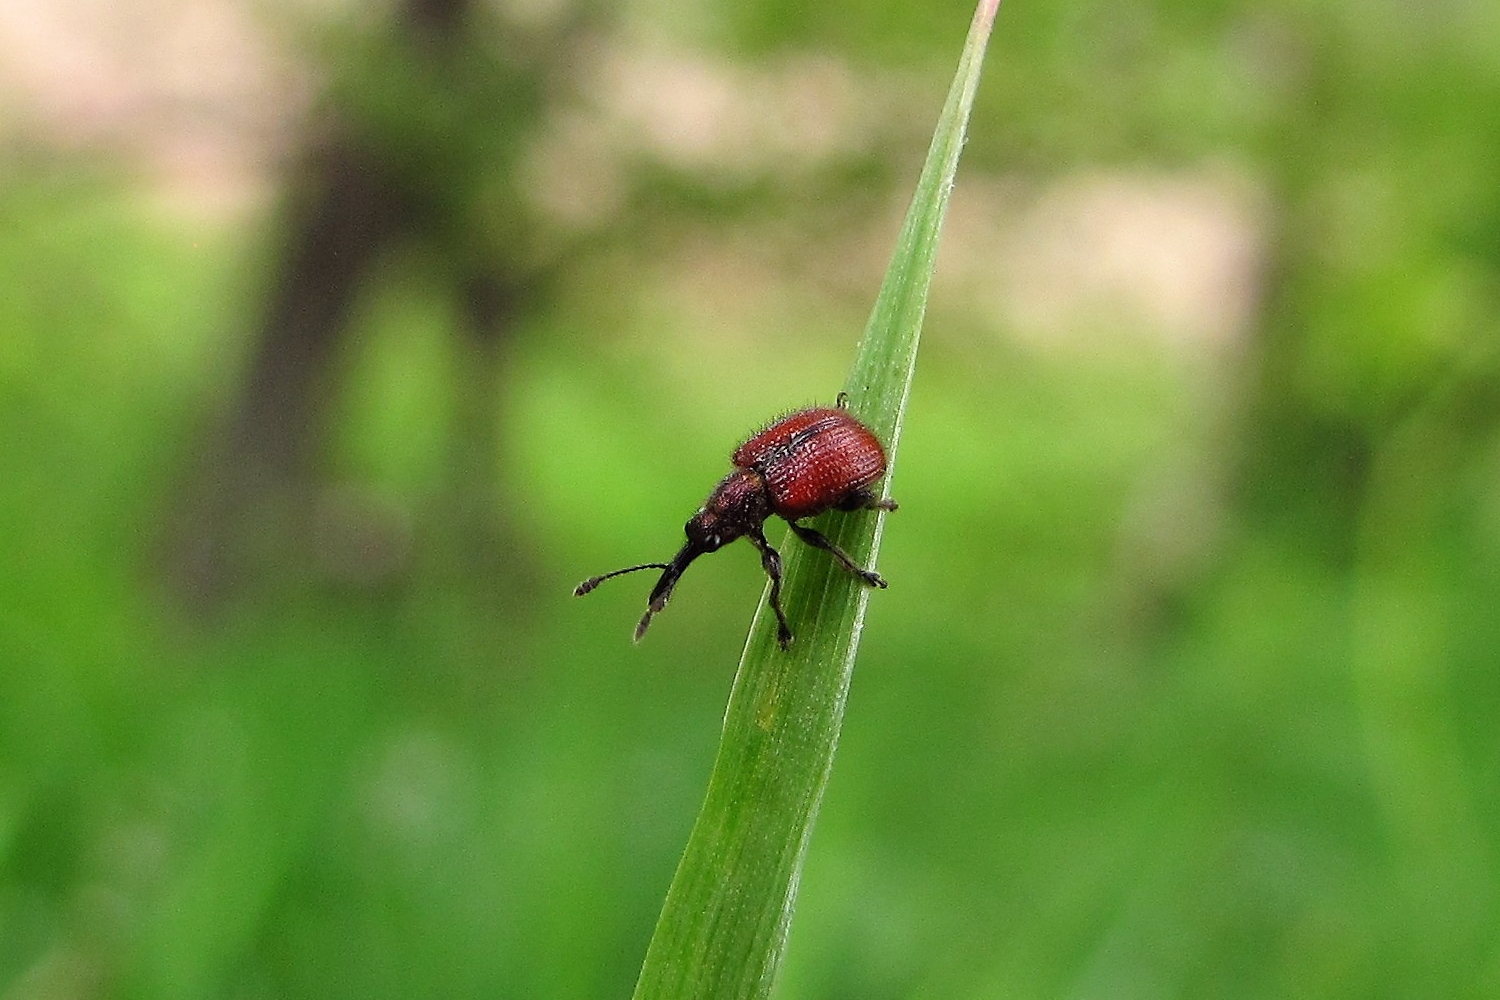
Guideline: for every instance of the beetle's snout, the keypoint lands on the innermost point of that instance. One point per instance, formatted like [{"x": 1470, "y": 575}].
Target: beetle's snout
[{"x": 662, "y": 592}]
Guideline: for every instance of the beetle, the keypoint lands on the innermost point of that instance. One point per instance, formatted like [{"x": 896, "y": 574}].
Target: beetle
[{"x": 817, "y": 459}]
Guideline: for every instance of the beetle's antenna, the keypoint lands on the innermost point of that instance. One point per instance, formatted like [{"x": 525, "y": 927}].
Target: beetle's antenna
[
  {"x": 662, "y": 592},
  {"x": 594, "y": 581}
]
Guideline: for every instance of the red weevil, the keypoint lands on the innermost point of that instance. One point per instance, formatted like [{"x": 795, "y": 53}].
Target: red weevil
[{"x": 807, "y": 462}]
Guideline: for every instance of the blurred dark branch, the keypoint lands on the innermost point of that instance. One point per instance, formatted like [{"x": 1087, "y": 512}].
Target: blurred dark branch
[{"x": 417, "y": 149}]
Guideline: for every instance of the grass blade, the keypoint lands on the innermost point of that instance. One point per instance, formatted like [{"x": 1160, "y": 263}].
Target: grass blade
[{"x": 723, "y": 929}]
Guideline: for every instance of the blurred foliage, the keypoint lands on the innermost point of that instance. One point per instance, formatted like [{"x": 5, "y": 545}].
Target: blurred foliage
[{"x": 1185, "y": 683}]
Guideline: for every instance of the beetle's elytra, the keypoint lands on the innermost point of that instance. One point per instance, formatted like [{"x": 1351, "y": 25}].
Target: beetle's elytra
[{"x": 817, "y": 459}]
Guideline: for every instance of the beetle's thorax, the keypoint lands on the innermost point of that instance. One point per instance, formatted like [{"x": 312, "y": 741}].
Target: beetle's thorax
[{"x": 738, "y": 505}]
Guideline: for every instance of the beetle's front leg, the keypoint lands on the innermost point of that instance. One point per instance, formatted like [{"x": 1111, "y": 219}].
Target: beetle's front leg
[{"x": 770, "y": 560}]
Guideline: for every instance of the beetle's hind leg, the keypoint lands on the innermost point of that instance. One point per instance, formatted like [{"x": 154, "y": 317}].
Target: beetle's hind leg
[
  {"x": 819, "y": 540},
  {"x": 864, "y": 499}
]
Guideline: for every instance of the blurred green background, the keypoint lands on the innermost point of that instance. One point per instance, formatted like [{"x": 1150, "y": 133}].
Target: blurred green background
[{"x": 337, "y": 344}]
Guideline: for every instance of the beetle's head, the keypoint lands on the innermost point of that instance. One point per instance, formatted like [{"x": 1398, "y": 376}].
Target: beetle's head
[
  {"x": 737, "y": 506},
  {"x": 709, "y": 531}
]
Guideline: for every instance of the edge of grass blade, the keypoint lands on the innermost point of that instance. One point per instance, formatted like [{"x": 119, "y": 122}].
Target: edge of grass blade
[{"x": 723, "y": 928}]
